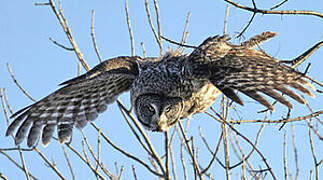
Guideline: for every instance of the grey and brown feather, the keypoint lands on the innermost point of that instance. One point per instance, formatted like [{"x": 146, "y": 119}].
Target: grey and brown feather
[{"x": 163, "y": 90}]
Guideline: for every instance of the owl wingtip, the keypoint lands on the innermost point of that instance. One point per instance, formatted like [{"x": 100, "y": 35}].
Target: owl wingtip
[
  {"x": 8, "y": 132},
  {"x": 45, "y": 141},
  {"x": 63, "y": 140},
  {"x": 30, "y": 144},
  {"x": 241, "y": 102},
  {"x": 45, "y": 144},
  {"x": 311, "y": 86},
  {"x": 271, "y": 108},
  {"x": 18, "y": 140},
  {"x": 311, "y": 95}
]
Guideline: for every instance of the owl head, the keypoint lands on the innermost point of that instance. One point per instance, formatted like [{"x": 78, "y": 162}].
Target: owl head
[{"x": 158, "y": 112}]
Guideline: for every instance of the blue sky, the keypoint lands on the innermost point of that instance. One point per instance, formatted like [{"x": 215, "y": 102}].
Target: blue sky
[{"x": 40, "y": 66}]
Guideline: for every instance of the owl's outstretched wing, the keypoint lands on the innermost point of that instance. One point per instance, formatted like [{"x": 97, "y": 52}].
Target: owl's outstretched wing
[
  {"x": 80, "y": 100},
  {"x": 242, "y": 68}
]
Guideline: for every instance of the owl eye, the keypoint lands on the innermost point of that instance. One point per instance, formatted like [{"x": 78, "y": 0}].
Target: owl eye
[
  {"x": 151, "y": 108},
  {"x": 167, "y": 109}
]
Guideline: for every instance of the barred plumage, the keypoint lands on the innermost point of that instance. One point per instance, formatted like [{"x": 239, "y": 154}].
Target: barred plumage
[
  {"x": 247, "y": 70},
  {"x": 79, "y": 101},
  {"x": 163, "y": 90}
]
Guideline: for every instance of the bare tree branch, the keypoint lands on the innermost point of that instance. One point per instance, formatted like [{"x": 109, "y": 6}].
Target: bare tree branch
[
  {"x": 262, "y": 11},
  {"x": 278, "y": 5},
  {"x": 157, "y": 36},
  {"x": 309, "y": 116},
  {"x": 130, "y": 30},
  {"x": 17, "y": 83},
  {"x": 60, "y": 175},
  {"x": 64, "y": 25},
  {"x": 93, "y": 37}
]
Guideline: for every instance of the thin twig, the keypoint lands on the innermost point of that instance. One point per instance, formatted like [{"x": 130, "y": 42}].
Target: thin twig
[
  {"x": 85, "y": 154},
  {"x": 68, "y": 162},
  {"x": 194, "y": 154},
  {"x": 41, "y": 4},
  {"x": 16, "y": 163},
  {"x": 143, "y": 49},
  {"x": 68, "y": 33},
  {"x": 153, "y": 163},
  {"x": 177, "y": 43},
  {"x": 285, "y": 156},
  {"x": 88, "y": 146},
  {"x": 247, "y": 26},
  {"x": 7, "y": 101},
  {"x": 205, "y": 141},
  {"x": 95, "y": 171},
  {"x": 315, "y": 114},
  {"x": 172, "y": 137},
  {"x": 120, "y": 172},
  {"x": 195, "y": 163},
  {"x": 278, "y": 5},
  {"x": 116, "y": 167},
  {"x": 24, "y": 167},
  {"x": 310, "y": 125},
  {"x": 246, "y": 157},
  {"x": 158, "y": 26},
  {"x": 16, "y": 149},
  {"x": 157, "y": 37},
  {"x": 185, "y": 33},
  {"x": 124, "y": 152},
  {"x": 4, "y": 107},
  {"x": 214, "y": 154},
  {"x": 3, "y": 177},
  {"x": 61, "y": 45},
  {"x": 226, "y": 20},
  {"x": 182, "y": 156},
  {"x": 234, "y": 142},
  {"x": 132, "y": 42},
  {"x": 146, "y": 138},
  {"x": 262, "y": 11},
  {"x": 98, "y": 150},
  {"x": 93, "y": 37},
  {"x": 166, "y": 145},
  {"x": 124, "y": 113},
  {"x": 173, "y": 162},
  {"x": 301, "y": 58},
  {"x": 134, "y": 172},
  {"x": 314, "y": 80},
  {"x": 17, "y": 83},
  {"x": 295, "y": 151},
  {"x": 49, "y": 163},
  {"x": 316, "y": 164},
  {"x": 248, "y": 141},
  {"x": 250, "y": 21},
  {"x": 225, "y": 138},
  {"x": 85, "y": 160}
]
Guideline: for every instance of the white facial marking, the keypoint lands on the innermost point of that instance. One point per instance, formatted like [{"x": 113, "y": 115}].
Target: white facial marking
[{"x": 155, "y": 108}]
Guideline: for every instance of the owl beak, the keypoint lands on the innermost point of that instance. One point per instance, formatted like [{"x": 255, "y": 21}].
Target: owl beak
[{"x": 162, "y": 123}]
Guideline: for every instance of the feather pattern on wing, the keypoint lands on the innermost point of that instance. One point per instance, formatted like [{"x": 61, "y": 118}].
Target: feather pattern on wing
[
  {"x": 79, "y": 101},
  {"x": 239, "y": 67}
]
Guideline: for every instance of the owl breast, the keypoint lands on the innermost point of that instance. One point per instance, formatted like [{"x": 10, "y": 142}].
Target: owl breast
[{"x": 201, "y": 98}]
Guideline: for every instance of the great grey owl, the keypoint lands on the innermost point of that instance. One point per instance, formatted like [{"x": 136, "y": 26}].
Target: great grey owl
[{"x": 163, "y": 90}]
